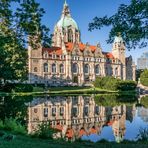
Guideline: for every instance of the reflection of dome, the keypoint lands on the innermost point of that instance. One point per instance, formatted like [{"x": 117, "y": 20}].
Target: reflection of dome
[
  {"x": 118, "y": 139},
  {"x": 67, "y": 21}
]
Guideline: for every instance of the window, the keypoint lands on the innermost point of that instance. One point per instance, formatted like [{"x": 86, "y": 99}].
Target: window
[
  {"x": 53, "y": 111},
  {"x": 97, "y": 69},
  {"x": 53, "y": 68},
  {"x": 116, "y": 71},
  {"x": 75, "y": 68},
  {"x": 70, "y": 35},
  {"x": 35, "y": 69},
  {"x": 54, "y": 56},
  {"x": 61, "y": 110},
  {"x": 35, "y": 110},
  {"x": 61, "y": 68},
  {"x": 45, "y": 67},
  {"x": 45, "y": 55},
  {"x": 86, "y": 68},
  {"x": 45, "y": 112}
]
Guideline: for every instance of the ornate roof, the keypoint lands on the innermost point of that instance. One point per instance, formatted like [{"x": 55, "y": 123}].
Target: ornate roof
[
  {"x": 66, "y": 19},
  {"x": 70, "y": 47}
]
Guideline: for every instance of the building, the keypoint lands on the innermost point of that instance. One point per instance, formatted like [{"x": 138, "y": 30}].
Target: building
[
  {"x": 70, "y": 61},
  {"x": 142, "y": 62}
]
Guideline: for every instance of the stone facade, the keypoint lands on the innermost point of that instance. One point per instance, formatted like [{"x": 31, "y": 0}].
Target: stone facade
[{"x": 69, "y": 61}]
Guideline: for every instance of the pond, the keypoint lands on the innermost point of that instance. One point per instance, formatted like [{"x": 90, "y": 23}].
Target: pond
[{"x": 93, "y": 118}]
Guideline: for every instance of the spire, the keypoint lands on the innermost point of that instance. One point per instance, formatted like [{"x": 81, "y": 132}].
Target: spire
[
  {"x": 65, "y": 2},
  {"x": 66, "y": 11}
]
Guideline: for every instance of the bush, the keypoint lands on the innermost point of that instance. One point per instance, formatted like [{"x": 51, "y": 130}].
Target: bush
[
  {"x": 144, "y": 77},
  {"x": 23, "y": 88},
  {"x": 44, "y": 131},
  {"x": 127, "y": 85},
  {"x": 8, "y": 87},
  {"x": 112, "y": 83},
  {"x": 13, "y": 125}
]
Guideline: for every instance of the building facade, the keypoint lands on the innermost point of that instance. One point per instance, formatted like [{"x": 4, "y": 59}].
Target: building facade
[
  {"x": 142, "y": 62},
  {"x": 71, "y": 61}
]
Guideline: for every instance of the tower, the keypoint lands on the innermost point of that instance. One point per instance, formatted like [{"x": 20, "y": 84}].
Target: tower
[
  {"x": 66, "y": 29},
  {"x": 118, "y": 52}
]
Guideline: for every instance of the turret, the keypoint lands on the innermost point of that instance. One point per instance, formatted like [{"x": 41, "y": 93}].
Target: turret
[{"x": 66, "y": 29}]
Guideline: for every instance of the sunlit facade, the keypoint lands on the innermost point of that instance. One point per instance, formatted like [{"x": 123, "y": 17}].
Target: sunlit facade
[{"x": 69, "y": 61}]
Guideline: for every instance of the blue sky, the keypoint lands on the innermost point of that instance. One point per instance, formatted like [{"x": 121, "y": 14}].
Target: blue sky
[{"x": 83, "y": 11}]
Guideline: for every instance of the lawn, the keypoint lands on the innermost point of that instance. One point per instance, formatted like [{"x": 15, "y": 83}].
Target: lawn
[{"x": 28, "y": 142}]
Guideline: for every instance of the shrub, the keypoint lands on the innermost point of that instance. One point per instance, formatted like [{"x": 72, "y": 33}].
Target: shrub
[
  {"x": 23, "y": 88},
  {"x": 13, "y": 125},
  {"x": 144, "y": 77},
  {"x": 112, "y": 83},
  {"x": 1, "y": 124},
  {"x": 127, "y": 85},
  {"x": 8, "y": 87},
  {"x": 44, "y": 131}
]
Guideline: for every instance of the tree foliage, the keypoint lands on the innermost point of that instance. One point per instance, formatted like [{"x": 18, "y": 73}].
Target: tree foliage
[
  {"x": 131, "y": 20},
  {"x": 16, "y": 26},
  {"x": 144, "y": 77},
  {"x": 111, "y": 83}
]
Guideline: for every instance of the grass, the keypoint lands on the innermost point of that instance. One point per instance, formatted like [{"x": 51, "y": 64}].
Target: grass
[
  {"x": 66, "y": 91},
  {"x": 21, "y": 141}
]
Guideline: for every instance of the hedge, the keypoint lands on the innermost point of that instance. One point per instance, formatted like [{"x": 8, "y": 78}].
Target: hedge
[
  {"x": 112, "y": 83},
  {"x": 8, "y": 87}
]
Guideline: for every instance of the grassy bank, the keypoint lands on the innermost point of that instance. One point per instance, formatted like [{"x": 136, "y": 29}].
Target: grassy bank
[
  {"x": 20, "y": 141},
  {"x": 67, "y": 91}
]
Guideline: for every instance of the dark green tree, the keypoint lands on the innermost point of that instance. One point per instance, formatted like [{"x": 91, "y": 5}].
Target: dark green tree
[
  {"x": 12, "y": 54},
  {"x": 130, "y": 20},
  {"x": 16, "y": 27}
]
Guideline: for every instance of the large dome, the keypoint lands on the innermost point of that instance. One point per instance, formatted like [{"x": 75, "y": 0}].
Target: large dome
[{"x": 66, "y": 21}]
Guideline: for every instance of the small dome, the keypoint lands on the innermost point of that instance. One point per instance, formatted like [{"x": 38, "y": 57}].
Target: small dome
[
  {"x": 118, "y": 39},
  {"x": 67, "y": 21}
]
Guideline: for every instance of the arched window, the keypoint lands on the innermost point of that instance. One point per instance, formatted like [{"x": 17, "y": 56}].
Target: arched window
[
  {"x": 97, "y": 69},
  {"x": 61, "y": 68},
  {"x": 45, "y": 67},
  {"x": 75, "y": 68},
  {"x": 54, "y": 68},
  {"x": 86, "y": 68},
  {"x": 35, "y": 69},
  {"x": 70, "y": 35}
]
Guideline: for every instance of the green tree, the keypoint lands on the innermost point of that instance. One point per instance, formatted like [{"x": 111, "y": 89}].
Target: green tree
[
  {"x": 144, "y": 77},
  {"x": 131, "y": 20},
  {"x": 13, "y": 55},
  {"x": 29, "y": 23},
  {"x": 16, "y": 26}
]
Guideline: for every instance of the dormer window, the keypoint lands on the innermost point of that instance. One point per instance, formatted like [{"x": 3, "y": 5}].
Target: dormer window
[{"x": 46, "y": 55}]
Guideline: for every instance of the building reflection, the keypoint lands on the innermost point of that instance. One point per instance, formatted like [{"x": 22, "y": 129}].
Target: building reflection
[{"x": 77, "y": 116}]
